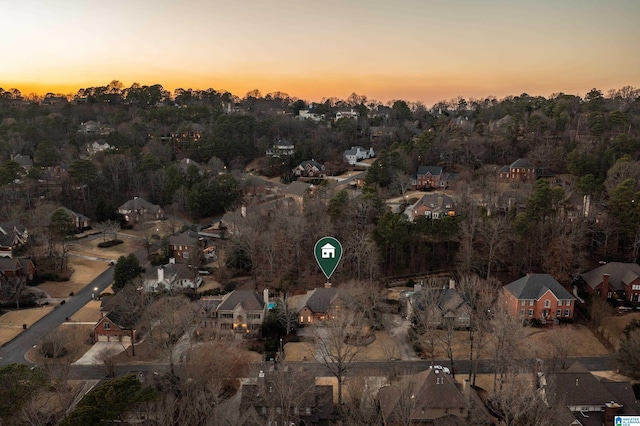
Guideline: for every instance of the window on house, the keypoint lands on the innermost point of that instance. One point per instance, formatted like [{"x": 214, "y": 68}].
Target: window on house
[
  {"x": 530, "y": 302},
  {"x": 309, "y": 319},
  {"x": 560, "y": 302},
  {"x": 107, "y": 326},
  {"x": 523, "y": 302},
  {"x": 521, "y": 312},
  {"x": 530, "y": 312},
  {"x": 567, "y": 312},
  {"x": 547, "y": 303},
  {"x": 635, "y": 287},
  {"x": 559, "y": 313},
  {"x": 307, "y": 411},
  {"x": 301, "y": 318}
]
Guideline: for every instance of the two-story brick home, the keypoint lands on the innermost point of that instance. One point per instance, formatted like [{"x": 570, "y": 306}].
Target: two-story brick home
[
  {"x": 242, "y": 311},
  {"x": 427, "y": 177},
  {"x": 614, "y": 280},
  {"x": 521, "y": 170},
  {"x": 540, "y": 297}
]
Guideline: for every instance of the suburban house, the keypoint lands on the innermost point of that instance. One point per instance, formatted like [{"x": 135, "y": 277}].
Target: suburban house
[
  {"x": 92, "y": 127},
  {"x": 281, "y": 149},
  {"x": 97, "y": 146},
  {"x": 590, "y": 400},
  {"x": 12, "y": 236},
  {"x": 171, "y": 277},
  {"x": 314, "y": 304},
  {"x": 431, "y": 206},
  {"x": 113, "y": 326},
  {"x": 357, "y": 154},
  {"x": 184, "y": 245},
  {"x": 427, "y": 177},
  {"x": 614, "y": 280},
  {"x": 17, "y": 267},
  {"x": 431, "y": 397},
  {"x": 297, "y": 191},
  {"x": 305, "y": 114},
  {"x": 25, "y": 161},
  {"x": 351, "y": 114},
  {"x": 309, "y": 168},
  {"x": 540, "y": 297},
  {"x": 510, "y": 201},
  {"x": 241, "y": 311},
  {"x": 80, "y": 221},
  {"x": 262, "y": 403},
  {"x": 521, "y": 170},
  {"x": 441, "y": 306},
  {"x": 138, "y": 209}
]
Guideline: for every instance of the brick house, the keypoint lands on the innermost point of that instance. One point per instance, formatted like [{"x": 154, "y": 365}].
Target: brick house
[
  {"x": 18, "y": 267},
  {"x": 614, "y": 280},
  {"x": 427, "y": 177},
  {"x": 521, "y": 170},
  {"x": 540, "y": 297},
  {"x": 80, "y": 221},
  {"x": 309, "y": 168},
  {"x": 113, "y": 326},
  {"x": 183, "y": 245},
  {"x": 138, "y": 209},
  {"x": 13, "y": 235}
]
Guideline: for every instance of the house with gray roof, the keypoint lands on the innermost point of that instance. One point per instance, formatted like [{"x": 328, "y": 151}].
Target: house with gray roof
[
  {"x": 431, "y": 397},
  {"x": 138, "y": 209},
  {"x": 309, "y": 168},
  {"x": 171, "y": 277},
  {"x": 184, "y": 245},
  {"x": 80, "y": 221},
  {"x": 613, "y": 280},
  {"x": 539, "y": 297},
  {"x": 590, "y": 400},
  {"x": 314, "y": 305},
  {"x": 427, "y": 177},
  {"x": 12, "y": 235},
  {"x": 358, "y": 153},
  {"x": 442, "y": 306},
  {"x": 521, "y": 170},
  {"x": 242, "y": 311}
]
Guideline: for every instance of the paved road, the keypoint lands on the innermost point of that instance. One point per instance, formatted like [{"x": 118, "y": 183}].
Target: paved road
[
  {"x": 371, "y": 368},
  {"x": 14, "y": 351}
]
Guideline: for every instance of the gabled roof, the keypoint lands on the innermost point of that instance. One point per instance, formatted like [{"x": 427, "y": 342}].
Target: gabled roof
[
  {"x": 8, "y": 264},
  {"x": 432, "y": 170},
  {"x": 318, "y": 300},
  {"x": 187, "y": 238},
  {"x": 522, "y": 163},
  {"x": 76, "y": 214},
  {"x": 447, "y": 299},
  {"x": 250, "y": 301},
  {"x": 576, "y": 386},
  {"x": 23, "y": 160},
  {"x": 533, "y": 286},
  {"x": 311, "y": 163},
  {"x": 620, "y": 274},
  {"x": 422, "y": 392}
]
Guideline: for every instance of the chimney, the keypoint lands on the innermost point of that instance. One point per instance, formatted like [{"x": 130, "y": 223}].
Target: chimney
[
  {"x": 417, "y": 287},
  {"x": 605, "y": 286},
  {"x": 160, "y": 274},
  {"x": 452, "y": 283},
  {"x": 611, "y": 409},
  {"x": 265, "y": 295},
  {"x": 466, "y": 389}
]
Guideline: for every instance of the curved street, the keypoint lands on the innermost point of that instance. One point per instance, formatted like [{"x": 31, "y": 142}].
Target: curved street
[{"x": 15, "y": 350}]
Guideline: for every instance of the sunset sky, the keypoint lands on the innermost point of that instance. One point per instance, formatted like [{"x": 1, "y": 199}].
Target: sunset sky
[{"x": 402, "y": 49}]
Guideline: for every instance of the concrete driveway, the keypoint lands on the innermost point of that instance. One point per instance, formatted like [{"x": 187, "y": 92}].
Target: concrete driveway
[{"x": 94, "y": 356}]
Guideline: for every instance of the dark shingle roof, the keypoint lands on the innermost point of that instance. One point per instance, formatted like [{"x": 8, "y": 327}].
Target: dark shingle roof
[
  {"x": 320, "y": 299},
  {"x": 250, "y": 300},
  {"x": 533, "y": 286},
  {"x": 620, "y": 274},
  {"x": 187, "y": 238},
  {"x": 137, "y": 204},
  {"x": 522, "y": 163},
  {"x": 433, "y": 170}
]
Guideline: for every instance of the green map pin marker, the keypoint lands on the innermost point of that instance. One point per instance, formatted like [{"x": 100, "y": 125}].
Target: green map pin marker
[{"x": 328, "y": 252}]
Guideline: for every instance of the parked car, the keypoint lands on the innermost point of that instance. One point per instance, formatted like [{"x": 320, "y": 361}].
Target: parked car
[{"x": 445, "y": 370}]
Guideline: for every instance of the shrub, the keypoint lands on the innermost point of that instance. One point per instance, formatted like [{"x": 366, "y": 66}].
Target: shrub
[
  {"x": 110, "y": 243},
  {"x": 230, "y": 286}
]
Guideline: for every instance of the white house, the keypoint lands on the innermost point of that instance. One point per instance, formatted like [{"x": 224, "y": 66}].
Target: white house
[
  {"x": 305, "y": 114},
  {"x": 328, "y": 251},
  {"x": 346, "y": 114},
  {"x": 358, "y": 153}
]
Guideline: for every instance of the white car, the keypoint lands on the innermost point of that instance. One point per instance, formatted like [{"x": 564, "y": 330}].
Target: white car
[{"x": 445, "y": 370}]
